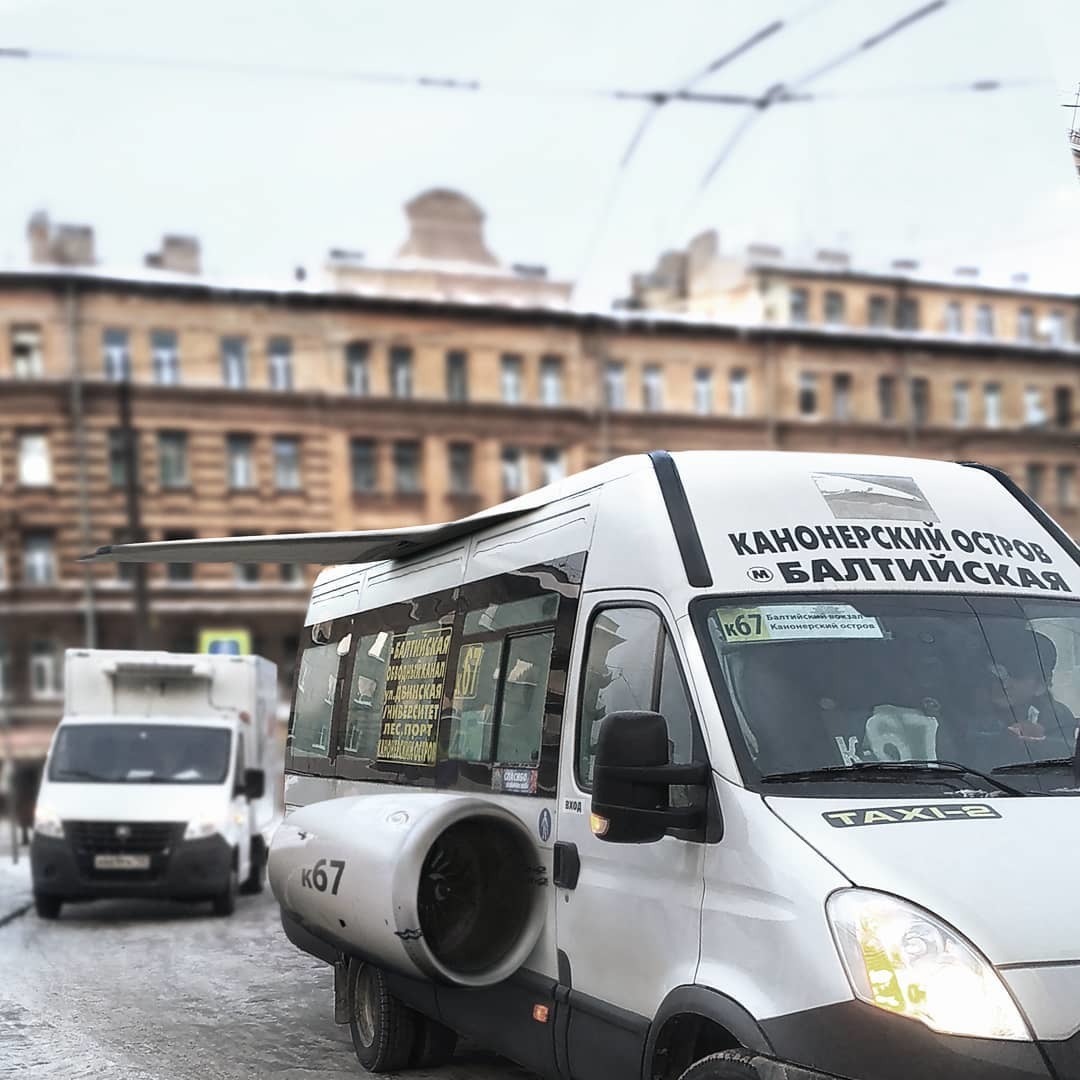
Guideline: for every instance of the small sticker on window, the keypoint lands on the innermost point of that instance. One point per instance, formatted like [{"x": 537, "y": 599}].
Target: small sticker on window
[
  {"x": 795, "y": 622},
  {"x": 513, "y": 781}
]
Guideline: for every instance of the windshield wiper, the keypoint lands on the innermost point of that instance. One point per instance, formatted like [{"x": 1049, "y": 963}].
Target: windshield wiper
[
  {"x": 890, "y": 770},
  {"x": 1034, "y": 766}
]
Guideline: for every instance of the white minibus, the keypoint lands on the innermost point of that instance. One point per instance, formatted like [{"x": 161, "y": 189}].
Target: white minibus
[{"x": 705, "y": 765}]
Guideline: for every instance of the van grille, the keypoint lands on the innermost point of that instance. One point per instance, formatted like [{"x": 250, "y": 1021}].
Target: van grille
[{"x": 153, "y": 838}]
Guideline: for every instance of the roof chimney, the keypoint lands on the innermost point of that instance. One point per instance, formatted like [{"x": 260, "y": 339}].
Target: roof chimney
[
  {"x": 1020, "y": 278},
  {"x": 831, "y": 257},
  {"x": 63, "y": 245},
  {"x": 905, "y": 266},
  {"x": 178, "y": 253},
  {"x": 971, "y": 272},
  {"x": 758, "y": 253}
]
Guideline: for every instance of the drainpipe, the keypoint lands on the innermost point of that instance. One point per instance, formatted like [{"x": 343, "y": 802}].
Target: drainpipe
[{"x": 86, "y": 532}]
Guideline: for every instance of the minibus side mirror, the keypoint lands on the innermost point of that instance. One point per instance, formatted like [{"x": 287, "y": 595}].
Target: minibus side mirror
[
  {"x": 632, "y": 775},
  {"x": 254, "y": 784}
]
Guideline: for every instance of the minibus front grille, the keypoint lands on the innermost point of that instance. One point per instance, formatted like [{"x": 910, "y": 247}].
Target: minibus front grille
[{"x": 153, "y": 838}]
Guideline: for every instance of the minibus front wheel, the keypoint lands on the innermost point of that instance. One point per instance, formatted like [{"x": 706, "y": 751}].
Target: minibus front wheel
[{"x": 727, "y": 1065}]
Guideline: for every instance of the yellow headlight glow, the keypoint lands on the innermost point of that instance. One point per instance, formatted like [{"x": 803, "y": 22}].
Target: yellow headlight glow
[{"x": 902, "y": 959}]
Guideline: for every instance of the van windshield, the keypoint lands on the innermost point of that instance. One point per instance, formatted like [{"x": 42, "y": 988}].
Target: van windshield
[
  {"x": 140, "y": 754},
  {"x": 823, "y": 692}
]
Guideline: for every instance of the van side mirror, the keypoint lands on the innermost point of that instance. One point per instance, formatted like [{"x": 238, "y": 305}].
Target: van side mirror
[
  {"x": 632, "y": 775},
  {"x": 254, "y": 785}
]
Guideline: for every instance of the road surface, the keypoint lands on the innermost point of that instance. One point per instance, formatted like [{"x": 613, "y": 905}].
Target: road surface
[{"x": 132, "y": 990}]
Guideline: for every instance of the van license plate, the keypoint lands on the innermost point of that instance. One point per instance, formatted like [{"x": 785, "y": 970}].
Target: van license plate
[{"x": 121, "y": 862}]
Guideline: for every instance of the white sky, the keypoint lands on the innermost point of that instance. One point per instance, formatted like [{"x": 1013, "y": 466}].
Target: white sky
[{"x": 270, "y": 173}]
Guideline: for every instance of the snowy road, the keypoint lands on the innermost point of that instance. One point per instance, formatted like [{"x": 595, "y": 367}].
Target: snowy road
[{"x": 143, "y": 991}]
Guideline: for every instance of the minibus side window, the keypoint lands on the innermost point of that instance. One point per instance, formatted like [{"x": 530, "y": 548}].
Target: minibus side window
[
  {"x": 631, "y": 664},
  {"x": 311, "y": 719},
  {"x": 367, "y": 692}
]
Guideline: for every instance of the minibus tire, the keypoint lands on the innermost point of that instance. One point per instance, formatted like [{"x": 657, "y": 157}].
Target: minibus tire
[
  {"x": 47, "y": 907},
  {"x": 435, "y": 1044},
  {"x": 384, "y": 1031},
  {"x": 727, "y": 1065},
  {"x": 225, "y": 902},
  {"x": 256, "y": 878}
]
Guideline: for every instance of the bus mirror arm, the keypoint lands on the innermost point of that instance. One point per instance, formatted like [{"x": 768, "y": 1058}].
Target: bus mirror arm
[{"x": 632, "y": 777}]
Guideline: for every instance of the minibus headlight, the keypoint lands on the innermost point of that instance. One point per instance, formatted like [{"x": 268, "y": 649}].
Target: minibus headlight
[
  {"x": 47, "y": 822},
  {"x": 197, "y": 830},
  {"x": 901, "y": 959}
]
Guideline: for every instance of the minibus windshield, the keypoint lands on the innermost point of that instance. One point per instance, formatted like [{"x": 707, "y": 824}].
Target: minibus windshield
[
  {"x": 140, "y": 754},
  {"x": 960, "y": 693}
]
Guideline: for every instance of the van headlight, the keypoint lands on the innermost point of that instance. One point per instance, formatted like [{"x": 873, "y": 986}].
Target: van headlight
[
  {"x": 199, "y": 830},
  {"x": 47, "y": 822},
  {"x": 901, "y": 959}
]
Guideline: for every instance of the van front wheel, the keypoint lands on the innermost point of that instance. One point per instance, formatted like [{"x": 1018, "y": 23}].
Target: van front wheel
[
  {"x": 727, "y": 1065},
  {"x": 224, "y": 903},
  {"x": 47, "y": 907},
  {"x": 383, "y": 1029}
]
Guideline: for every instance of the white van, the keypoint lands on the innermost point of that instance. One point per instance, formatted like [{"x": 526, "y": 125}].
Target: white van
[
  {"x": 704, "y": 765},
  {"x": 155, "y": 782}
]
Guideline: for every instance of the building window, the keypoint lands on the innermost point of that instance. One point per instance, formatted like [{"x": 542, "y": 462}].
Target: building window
[
  {"x": 798, "y": 307},
  {"x": 401, "y": 371},
  {"x": 984, "y": 321},
  {"x": 125, "y": 572},
  {"x": 118, "y": 457},
  {"x": 291, "y": 575},
  {"x": 358, "y": 369},
  {"x": 279, "y": 354},
  {"x": 3, "y": 573},
  {"x": 35, "y": 465},
  {"x": 907, "y": 313},
  {"x": 457, "y": 376},
  {"x": 407, "y": 468},
  {"x": 652, "y": 388},
  {"x": 240, "y": 454},
  {"x": 992, "y": 404},
  {"x": 1063, "y": 406},
  {"x": 27, "y": 357},
  {"x": 878, "y": 313},
  {"x": 920, "y": 401},
  {"x": 961, "y": 404},
  {"x": 842, "y": 397},
  {"x": 511, "y": 378},
  {"x": 1025, "y": 324},
  {"x": 1036, "y": 472},
  {"x": 461, "y": 469},
  {"x": 886, "y": 393},
  {"x": 1055, "y": 328},
  {"x": 165, "y": 354},
  {"x": 615, "y": 385},
  {"x": 115, "y": 355},
  {"x": 954, "y": 317},
  {"x": 551, "y": 380},
  {"x": 834, "y": 308},
  {"x": 1034, "y": 413},
  {"x": 172, "y": 459},
  {"x": 552, "y": 465},
  {"x": 703, "y": 391},
  {"x": 245, "y": 574},
  {"x": 1066, "y": 486},
  {"x": 513, "y": 471},
  {"x": 179, "y": 573},
  {"x": 738, "y": 393},
  {"x": 5, "y": 669},
  {"x": 362, "y": 463},
  {"x": 286, "y": 462},
  {"x": 44, "y": 670},
  {"x": 234, "y": 362},
  {"x": 808, "y": 394},
  {"x": 39, "y": 558}
]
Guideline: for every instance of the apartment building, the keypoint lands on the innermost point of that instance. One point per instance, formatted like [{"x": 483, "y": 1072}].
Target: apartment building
[{"x": 429, "y": 388}]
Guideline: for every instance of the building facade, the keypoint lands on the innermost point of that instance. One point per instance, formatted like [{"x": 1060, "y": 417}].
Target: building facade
[{"x": 431, "y": 393}]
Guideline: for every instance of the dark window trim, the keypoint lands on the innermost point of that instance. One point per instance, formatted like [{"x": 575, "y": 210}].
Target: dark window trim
[{"x": 682, "y": 520}]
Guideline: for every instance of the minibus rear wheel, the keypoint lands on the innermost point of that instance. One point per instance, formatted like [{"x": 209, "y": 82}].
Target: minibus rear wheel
[
  {"x": 384, "y": 1031},
  {"x": 727, "y": 1065}
]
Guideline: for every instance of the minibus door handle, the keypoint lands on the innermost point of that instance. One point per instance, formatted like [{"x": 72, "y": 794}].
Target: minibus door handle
[{"x": 567, "y": 865}]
